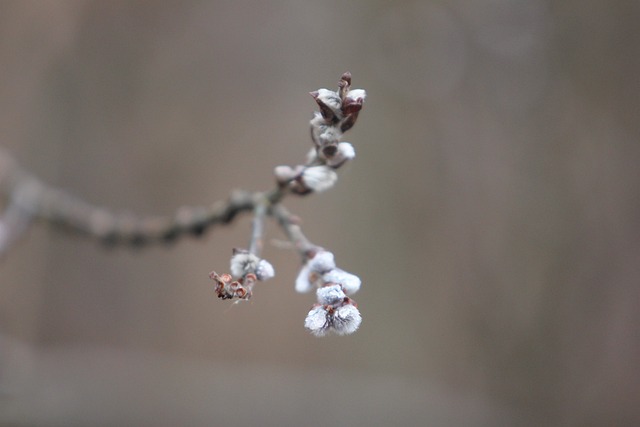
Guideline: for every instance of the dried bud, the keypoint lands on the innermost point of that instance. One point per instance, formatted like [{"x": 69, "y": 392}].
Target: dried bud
[
  {"x": 264, "y": 270},
  {"x": 350, "y": 282},
  {"x": 227, "y": 288},
  {"x": 344, "y": 84}
]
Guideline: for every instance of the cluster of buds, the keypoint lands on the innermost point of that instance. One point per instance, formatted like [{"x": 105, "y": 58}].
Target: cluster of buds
[
  {"x": 246, "y": 269},
  {"x": 338, "y": 113},
  {"x": 334, "y": 311}
]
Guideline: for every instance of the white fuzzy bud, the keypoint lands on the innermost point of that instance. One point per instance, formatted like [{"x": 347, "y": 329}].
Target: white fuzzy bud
[
  {"x": 330, "y": 295},
  {"x": 303, "y": 284},
  {"x": 356, "y": 94},
  {"x": 329, "y": 102},
  {"x": 328, "y": 135},
  {"x": 312, "y": 156},
  {"x": 346, "y": 319},
  {"x": 350, "y": 282},
  {"x": 319, "y": 178},
  {"x": 264, "y": 270},
  {"x": 284, "y": 173},
  {"x": 344, "y": 152},
  {"x": 243, "y": 263},
  {"x": 322, "y": 262},
  {"x": 317, "y": 321}
]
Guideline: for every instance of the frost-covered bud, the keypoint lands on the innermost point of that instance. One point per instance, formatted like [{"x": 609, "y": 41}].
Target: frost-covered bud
[
  {"x": 264, "y": 270},
  {"x": 318, "y": 178},
  {"x": 322, "y": 132},
  {"x": 303, "y": 284},
  {"x": 344, "y": 152},
  {"x": 317, "y": 321},
  {"x": 322, "y": 262},
  {"x": 243, "y": 262},
  {"x": 329, "y": 135},
  {"x": 346, "y": 319},
  {"x": 342, "y": 319},
  {"x": 330, "y": 295},
  {"x": 330, "y": 104},
  {"x": 350, "y": 282},
  {"x": 313, "y": 269}
]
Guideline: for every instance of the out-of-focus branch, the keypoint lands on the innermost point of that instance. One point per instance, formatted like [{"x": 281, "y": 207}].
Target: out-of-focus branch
[{"x": 27, "y": 197}]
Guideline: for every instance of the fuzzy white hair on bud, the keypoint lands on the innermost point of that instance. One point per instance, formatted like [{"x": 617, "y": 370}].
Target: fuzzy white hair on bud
[
  {"x": 303, "y": 284},
  {"x": 264, "y": 270},
  {"x": 346, "y": 319},
  {"x": 345, "y": 151},
  {"x": 317, "y": 321},
  {"x": 328, "y": 135},
  {"x": 243, "y": 263},
  {"x": 329, "y": 98},
  {"x": 284, "y": 173},
  {"x": 330, "y": 295},
  {"x": 322, "y": 262},
  {"x": 319, "y": 178},
  {"x": 350, "y": 282},
  {"x": 357, "y": 94}
]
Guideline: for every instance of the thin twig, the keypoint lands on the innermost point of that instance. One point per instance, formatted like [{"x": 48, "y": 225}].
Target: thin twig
[
  {"x": 257, "y": 230},
  {"x": 290, "y": 225}
]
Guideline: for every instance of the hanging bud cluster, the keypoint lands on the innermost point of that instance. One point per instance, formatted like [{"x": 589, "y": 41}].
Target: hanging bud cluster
[
  {"x": 246, "y": 269},
  {"x": 334, "y": 311},
  {"x": 338, "y": 113}
]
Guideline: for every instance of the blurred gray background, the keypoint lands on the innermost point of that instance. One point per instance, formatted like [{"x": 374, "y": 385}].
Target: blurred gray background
[{"x": 493, "y": 212}]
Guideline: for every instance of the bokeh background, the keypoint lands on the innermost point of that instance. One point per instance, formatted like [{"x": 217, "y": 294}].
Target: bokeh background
[{"x": 493, "y": 212}]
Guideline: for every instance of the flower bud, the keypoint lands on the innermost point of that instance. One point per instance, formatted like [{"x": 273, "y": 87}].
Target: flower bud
[
  {"x": 344, "y": 152},
  {"x": 284, "y": 173},
  {"x": 318, "y": 178},
  {"x": 322, "y": 262},
  {"x": 317, "y": 321},
  {"x": 350, "y": 282},
  {"x": 330, "y": 104},
  {"x": 264, "y": 270},
  {"x": 303, "y": 284},
  {"x": 243, "y": 262},
  {"x": 330, "y": 295},
  {"x": 346, "y": 319}
]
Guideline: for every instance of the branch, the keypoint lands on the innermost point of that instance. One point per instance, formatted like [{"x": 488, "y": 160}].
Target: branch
[{"x": 27, "y": 198}]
